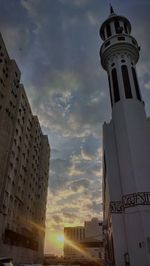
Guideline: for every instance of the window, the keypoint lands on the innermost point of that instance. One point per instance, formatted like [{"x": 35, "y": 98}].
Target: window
[
  {"x": 126, "y": 82},
  {"x": 110, "y": 91},
  {"x": 108, "y": 29},
  {"x": 123, "y": 61},
  {"x": 115, "y": 85},
  {"x": 136, "y": 84},
  {"x": 121, "y": 38}
]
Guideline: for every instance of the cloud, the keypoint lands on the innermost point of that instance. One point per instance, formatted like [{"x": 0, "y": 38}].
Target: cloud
[
  {"x": 81, "y": 2},
  {"x": 78, "y": 3},
  {"x": 147, "y": 85},
  {"x": 82, "y": 183},
  {"x": 92, "y": 18},
  {"x": 32, "y": 8},
  {"x": 57, "y": 219}
]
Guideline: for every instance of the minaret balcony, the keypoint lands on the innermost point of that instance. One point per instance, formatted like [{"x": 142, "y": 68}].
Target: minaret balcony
[{"x": 119, "y": 43}]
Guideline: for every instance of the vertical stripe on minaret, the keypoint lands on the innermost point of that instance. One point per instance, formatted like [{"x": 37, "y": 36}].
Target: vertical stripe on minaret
[{"x": 126, "y": 81}]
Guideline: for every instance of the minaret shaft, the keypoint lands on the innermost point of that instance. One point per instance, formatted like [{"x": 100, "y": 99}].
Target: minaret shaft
[{"x": 123, "y": 79}]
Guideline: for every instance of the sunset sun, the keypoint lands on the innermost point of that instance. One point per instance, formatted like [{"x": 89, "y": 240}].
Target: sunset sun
[{"x": 60, "y": 238}]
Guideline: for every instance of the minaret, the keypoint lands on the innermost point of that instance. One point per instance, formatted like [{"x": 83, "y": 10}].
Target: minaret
[
  {"x": 119, "y": 55},
  {"x": 126, "y": 142}
]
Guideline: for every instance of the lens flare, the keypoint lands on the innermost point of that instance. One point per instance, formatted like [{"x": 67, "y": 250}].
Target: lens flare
[
  {"x": 81, "y": 250},
  {"x": 60, "y": 238}
]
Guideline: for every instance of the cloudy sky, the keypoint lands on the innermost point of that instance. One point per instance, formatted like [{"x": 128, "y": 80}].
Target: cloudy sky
[{"x": 56, "y": 46}]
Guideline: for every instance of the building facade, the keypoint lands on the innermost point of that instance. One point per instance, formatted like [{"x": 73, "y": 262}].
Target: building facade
[
  {"x": 24, "y": 169},
  {"x": 84, "y": 242},
  {"x": 126, "y": 143}
]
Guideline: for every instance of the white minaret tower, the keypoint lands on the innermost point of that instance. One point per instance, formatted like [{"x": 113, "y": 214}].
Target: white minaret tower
[{"x": 126, "y": 178}]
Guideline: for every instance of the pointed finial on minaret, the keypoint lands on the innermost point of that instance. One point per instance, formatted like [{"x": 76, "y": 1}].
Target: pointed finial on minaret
[{"x": 111, "y": 10}]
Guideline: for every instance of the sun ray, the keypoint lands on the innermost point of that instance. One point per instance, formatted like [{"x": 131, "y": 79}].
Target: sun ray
[{"x": 80, "y": 249}]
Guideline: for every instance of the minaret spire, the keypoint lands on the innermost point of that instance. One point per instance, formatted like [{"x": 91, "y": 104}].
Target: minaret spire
[{"x": 111, "y": 9}]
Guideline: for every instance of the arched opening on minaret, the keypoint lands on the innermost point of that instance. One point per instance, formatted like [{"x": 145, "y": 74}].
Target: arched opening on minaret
[
  {"x": 117, "y": 26},
  {"x": 115, "y": 85},
  {"x": 108, "y": 29},
  {"x": 126, "y": 81},
  {"x": 103, "y": 35},
  {"x": 125, "y": 28},
  {"x": 136, "y": 84}
]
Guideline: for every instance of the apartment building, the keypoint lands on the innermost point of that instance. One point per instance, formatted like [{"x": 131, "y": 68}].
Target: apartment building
[{"x": 24, "y": 169}]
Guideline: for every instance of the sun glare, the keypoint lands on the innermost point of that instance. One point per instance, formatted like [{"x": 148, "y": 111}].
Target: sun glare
[
  {"x": 60, "y": 238},
  {"x": 57, "y": 240}
]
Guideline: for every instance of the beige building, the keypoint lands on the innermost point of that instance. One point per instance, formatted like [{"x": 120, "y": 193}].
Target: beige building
[
  {"x": 73, "y": 237},
  {"x": 24, "y": 169},
  {"x": 84, "y": 242}
]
